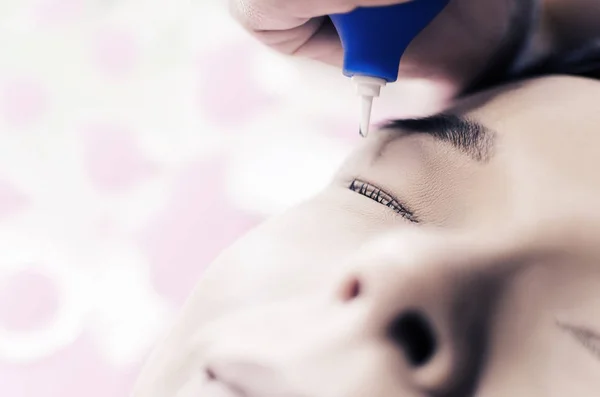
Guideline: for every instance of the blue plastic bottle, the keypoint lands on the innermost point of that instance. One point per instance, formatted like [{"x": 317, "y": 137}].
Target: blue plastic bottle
[{"x": 374, "y": 40}]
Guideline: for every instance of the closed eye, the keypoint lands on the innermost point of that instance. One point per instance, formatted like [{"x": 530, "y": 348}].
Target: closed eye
[
  {"x": 586, "y": 337},
  {"x": 377, "y": 194}
]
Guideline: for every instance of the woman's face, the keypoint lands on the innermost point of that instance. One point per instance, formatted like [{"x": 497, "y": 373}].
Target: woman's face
[{"x": 456, "y": 256}]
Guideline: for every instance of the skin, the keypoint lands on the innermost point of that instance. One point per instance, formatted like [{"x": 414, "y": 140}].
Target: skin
[{"x": 503, "y": 266}]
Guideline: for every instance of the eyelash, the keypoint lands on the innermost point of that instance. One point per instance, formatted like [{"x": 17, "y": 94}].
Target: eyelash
[
  {"x": 589, "y": 339},
  {"x": 378, "y": 195}
]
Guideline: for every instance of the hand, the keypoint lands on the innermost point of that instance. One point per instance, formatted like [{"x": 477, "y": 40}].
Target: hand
[{"x": 449, "y": 55}]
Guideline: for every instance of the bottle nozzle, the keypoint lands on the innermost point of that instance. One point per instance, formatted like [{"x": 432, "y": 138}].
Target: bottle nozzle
[
  {"x": 367, "y": 88},
  {"x": 365, "y": 115}
]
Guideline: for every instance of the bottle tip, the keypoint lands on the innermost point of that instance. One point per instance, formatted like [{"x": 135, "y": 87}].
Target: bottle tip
[
  {"x": 365, "y": 119},
  {"x": 363, "y": 131}
]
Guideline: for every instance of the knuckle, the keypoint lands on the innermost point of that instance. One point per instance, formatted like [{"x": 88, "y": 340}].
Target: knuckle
[{"x": 246, "y": 13}]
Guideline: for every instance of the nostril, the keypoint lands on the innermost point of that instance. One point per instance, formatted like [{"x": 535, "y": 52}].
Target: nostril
[
  {"x": 210, "y": 374},
  {"x": 351, "y": 289},
  {"x": 412, "y": 332}
]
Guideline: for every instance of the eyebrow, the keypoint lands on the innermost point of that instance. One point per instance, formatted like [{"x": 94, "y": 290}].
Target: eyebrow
[{"x": 464, "y": 134}]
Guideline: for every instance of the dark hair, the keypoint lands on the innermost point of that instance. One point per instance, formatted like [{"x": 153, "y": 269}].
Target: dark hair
[{"x": 583, "y": 62}]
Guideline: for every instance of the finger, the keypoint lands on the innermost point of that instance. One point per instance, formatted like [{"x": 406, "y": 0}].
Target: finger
[
  {"x": 288, "y": 14},
  {"x": 313, "y": 8},
  {"x": 293, "y": 41}
]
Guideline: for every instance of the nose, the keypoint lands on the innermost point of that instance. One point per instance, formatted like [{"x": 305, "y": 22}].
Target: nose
[{"x": 430, "y": 304}]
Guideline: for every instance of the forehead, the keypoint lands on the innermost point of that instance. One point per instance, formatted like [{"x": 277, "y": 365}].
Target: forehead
[
  {"x": 542, "y": 112},
  {"x": 549, "y": 126},
  {"x": 547, "y": 150}
]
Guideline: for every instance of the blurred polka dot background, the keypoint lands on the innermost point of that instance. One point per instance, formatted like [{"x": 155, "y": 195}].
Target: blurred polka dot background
[{"x": 138, "y": 138}]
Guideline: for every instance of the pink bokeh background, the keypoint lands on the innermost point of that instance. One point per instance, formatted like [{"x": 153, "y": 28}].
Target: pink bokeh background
[{"x": 135, "y": 144}]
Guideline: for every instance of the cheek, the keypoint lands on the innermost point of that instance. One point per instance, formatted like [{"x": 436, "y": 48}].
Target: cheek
[
  {"x": 529, "y": 354},
  {"x": 521, "y": 336}
]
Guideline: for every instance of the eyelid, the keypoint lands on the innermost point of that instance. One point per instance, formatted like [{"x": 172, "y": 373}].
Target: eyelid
[
  {"x": 586, "y": 337},
  {"x": 370, "y": 190}
]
